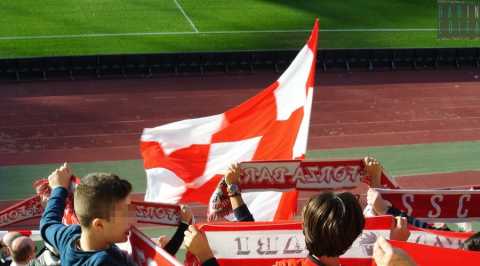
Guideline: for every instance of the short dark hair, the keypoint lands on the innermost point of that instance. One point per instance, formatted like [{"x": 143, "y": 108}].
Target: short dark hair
[
  {"x": 23, "y": 251},
  {"x": 96, "y": 196},
  {"x": 331, "y": 223},
  {"x": 472, "y": 243}
]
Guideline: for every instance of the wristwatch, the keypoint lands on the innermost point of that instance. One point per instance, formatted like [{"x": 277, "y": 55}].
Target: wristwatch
[{"x": 233, "y": 190}]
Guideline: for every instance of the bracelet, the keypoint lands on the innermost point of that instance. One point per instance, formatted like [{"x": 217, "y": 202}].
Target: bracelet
[
  {"x": 233, "y": 194},
  {"x": 233, "y": 190}
]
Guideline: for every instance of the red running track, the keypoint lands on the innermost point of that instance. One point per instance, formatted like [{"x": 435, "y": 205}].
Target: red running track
[{"x": 80, "y": 121}]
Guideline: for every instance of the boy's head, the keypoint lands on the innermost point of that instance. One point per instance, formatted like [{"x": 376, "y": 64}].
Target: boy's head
[
  {"x": 23, "y": 250},
  {"x": 472, "y": 243},
  {"x": 331, "y": 222},
  {"x": 101, "y": 203}
]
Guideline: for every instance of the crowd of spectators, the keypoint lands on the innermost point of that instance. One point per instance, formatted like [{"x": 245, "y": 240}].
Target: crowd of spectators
[{"x": 331, "y": 223}]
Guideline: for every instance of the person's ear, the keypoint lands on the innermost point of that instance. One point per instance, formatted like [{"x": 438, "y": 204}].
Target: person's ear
[{"x": 98, "y": 224}]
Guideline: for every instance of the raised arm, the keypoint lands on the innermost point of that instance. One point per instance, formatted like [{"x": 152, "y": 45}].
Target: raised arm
[
  {"x": 174, "y": 244},
  {"x": 51, "y": 227},
  {"x": 240, "y": 209}
]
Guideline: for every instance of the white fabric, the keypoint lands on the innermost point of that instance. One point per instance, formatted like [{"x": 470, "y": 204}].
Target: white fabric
[
  {"x": 260, "y": 204},
  {"x": 167, "y": 189},
  {"x": 291, "y": 92},
  {"x": 300, "y": 146},
  {"x": 222, "y": 155},
  {"x": 184, "y": 133}
]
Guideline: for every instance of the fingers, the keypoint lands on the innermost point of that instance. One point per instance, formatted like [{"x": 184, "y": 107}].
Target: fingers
[
  {"x": 399, "y": 230},
  {"x": 190, "y": 234},
  {"x": 233, "y": 175},
  {"x": 401, "y": 222},
  {"x": 163, "y": 240},
  {"x": 382, "y": 246},
  {"x": 60, "y": 177},
  {"x": 193, "y": 229},
  {"x": 190, "y": 231},
  {"x": 65, "y": 169},
  {"x": 186, "y": 214},
  {"x": 371, "y": 161}
]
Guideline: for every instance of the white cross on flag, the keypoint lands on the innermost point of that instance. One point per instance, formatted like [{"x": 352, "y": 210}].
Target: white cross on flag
[{"x": 182, "y": 159}]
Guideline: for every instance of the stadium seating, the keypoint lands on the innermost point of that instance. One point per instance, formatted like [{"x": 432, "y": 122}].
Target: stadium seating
[
  {"x": 162, "y": 64},
  {"x": 59, "y": 67},
  {"x": 359, "y": 59},
  {"x": 111, "y": 66},
  {"x": 85, "y": 66},
  {"x": 8, "y": 70},
  {"x": 147, "y": 65},
  {"x": 31, "y": 68},
  {"x": 136, "y": 65},
  {"x": 425, "y": 58}
]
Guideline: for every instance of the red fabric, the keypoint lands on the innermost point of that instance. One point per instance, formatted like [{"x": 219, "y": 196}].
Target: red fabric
[
  {"x": 288, "y": 204},
  {"x": 428, "y": 255},
  {"x": 249, "y": 119},
  {"x": 312, "y": 44},
  {"x": 145, "y": 252},
  {"x": 44, "y": 191},
  {"x": 308, "y": 262},
  {"x": 225, "y": 236},
  {"x": 442, "y": 205}
]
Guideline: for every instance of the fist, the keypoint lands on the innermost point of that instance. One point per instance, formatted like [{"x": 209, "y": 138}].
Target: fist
[
  {"x": 186, "y": 214},
  {"x": 374, "y": 169},
  {"x": 163, "y": 241},
  {"x": 385, "y": 255},
  {"x": 233, "y": 175},
  {"x": 196, "y": 243},
  {"x": 60, "y": 177},
  {"x": 399, "y": 230}
]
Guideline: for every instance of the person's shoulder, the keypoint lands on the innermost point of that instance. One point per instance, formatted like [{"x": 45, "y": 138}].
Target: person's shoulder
[
  {"x": 72, "y": 231},
  {"x": 74, "y": 228},
  {"x": 111, "y": 256},
  {"x": 100, "y": 258}
]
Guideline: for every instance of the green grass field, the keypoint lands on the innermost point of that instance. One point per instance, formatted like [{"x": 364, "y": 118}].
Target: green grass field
[{"x": 54, "y": 28}]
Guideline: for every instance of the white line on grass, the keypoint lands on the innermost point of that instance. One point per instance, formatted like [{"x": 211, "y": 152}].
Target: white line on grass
[
  {"x": 186, "y": 16},
  {"x": 127, "y": 34}
]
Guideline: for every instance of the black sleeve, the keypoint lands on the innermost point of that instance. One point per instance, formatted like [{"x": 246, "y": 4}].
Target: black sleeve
[
  {"x": 412, "y": 220},
  {"x": 210, "y": 262},
  {"x": 177, "y": 239},
  {"x": 242, "y": 214}
]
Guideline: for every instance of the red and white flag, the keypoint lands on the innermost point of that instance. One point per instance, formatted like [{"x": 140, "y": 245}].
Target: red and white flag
[{"x": 183, "y": 159}]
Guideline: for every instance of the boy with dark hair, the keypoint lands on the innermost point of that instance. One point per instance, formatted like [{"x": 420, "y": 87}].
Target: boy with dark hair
[
  {"x": 331, "y": 223},
  {"x": 337, "y": 218},
  {"x": 101, "y": 203}
]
